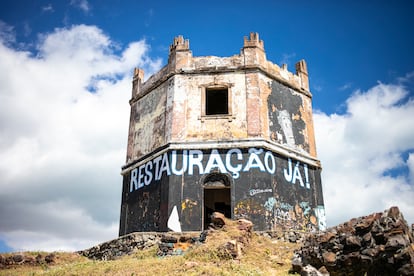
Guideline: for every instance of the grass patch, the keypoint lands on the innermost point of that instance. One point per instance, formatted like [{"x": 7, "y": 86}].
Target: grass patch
[{"x": 261, "y": 256}]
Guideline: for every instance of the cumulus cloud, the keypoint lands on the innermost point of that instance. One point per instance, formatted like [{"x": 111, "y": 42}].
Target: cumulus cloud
[
  {"x": 364, "y": 153},
  {"x": 7, "y": 33},
  {"x": 64, "y": 118}
]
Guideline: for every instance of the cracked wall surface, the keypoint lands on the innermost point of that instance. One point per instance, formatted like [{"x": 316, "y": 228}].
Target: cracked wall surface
[{"x": 269, "y": 111}]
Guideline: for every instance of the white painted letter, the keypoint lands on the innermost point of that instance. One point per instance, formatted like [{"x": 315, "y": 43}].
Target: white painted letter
[
  {"x": 165, "y": 166},
  {"x": 269, "y": 156},
  {"x": 296, "y": 175},
  {"x": 148, "y": 173},
  {"x": 194, "y": 159},
  {"x": 174, "y": 163},
  {"x": 157, "y": 166},
  {"x": 234, "y": 170},
  {"x": 214, "y": 161},
  {"x": 305, "y": 167},
  {"x": 254, "y": 160},
  {"x": 140, "y": 176},
  {"x": 288, "y": 175},
  {"x": 133, "y": 185}
]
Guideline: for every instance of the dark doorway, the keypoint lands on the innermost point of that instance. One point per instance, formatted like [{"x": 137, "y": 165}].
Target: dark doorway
[{"x": 217, "y": 196}]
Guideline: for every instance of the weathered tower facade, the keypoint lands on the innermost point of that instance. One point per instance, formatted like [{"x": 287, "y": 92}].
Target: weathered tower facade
[{"x": 230, "y": 134}]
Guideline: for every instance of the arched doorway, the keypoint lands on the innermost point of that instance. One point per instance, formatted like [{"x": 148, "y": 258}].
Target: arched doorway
[{"x": 217, "y": 196}]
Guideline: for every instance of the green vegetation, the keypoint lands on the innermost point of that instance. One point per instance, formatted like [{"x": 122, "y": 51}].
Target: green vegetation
[{"x": 261, "y": 257}]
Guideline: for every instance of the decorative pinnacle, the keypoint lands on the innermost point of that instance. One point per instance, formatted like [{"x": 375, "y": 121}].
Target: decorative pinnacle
[
  {"x": 138, "y": 73},
  {"x": 180, "y": 44},
  {"x": 301, "y": 67},
  {"x": 253, "y": 41}
]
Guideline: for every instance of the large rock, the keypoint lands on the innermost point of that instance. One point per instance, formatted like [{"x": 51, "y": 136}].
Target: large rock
[
  {"x": 378, "y": 244},
  {"x": 229, "y": 237},
  {"x": 218, "y": 220}
]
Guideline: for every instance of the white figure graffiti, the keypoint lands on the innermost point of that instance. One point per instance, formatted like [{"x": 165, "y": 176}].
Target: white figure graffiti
[{"x": 285, "y": 122}]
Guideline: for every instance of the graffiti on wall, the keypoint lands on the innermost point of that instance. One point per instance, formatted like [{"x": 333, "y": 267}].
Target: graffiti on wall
[
  {"x": 300, "y": 216},
  {"x": 248, "y": 208},
  {"x": 286, "y": 124},
  {"x": 320, "y": 214},
  {"x": 278, "y": 214},
  {"x": 187, "y": 210},
  {"x": 270, "y": 190},
  {"x": 293, "y": 175},
  {"x": 286, "y": 108},
  {"x": 233, "y": 161},
  {"x": 253, "y": 192}
]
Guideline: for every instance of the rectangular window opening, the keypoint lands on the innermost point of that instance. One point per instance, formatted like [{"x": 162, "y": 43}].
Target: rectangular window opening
[{"x": 217, "y": 101}]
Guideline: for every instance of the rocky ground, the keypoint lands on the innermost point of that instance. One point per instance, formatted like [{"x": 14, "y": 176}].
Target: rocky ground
[{"x": 377, "y": 244}]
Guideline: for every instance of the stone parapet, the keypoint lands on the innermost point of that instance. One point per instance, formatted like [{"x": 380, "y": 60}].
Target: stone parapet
[{"x": 251, "y": 57}]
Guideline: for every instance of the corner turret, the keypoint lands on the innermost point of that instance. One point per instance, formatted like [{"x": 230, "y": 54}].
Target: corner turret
[
  {"x": 137, "y": 81},
  {"x": 302, "y": 72},
  {"x": 180, "y": 54},
  {"x": 253, "y": 50}
]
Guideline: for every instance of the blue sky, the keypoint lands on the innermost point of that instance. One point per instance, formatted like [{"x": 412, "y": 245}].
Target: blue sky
[
  {"x": 361, "y": 67},
  {"x": 347, "y": 45}
]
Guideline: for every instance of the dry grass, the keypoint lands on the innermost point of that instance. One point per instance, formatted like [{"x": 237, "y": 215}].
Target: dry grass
[{"x": 261, "y": 257}]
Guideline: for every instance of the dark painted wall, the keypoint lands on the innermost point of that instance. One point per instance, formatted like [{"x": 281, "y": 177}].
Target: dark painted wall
[
  {"x": 144, "y": 210},
  {"x": 285, "y": 114},
  {"x": 147, "y": 123},
  {"x": 270, "y": 190}
]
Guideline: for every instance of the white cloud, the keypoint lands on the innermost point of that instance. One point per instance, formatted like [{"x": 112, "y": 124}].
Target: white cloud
[
  {"x": 361, "y": 148},
  {"x": 7, "y": 33},
  {"x": 48, "y": 8},
  {"x": 61, "y": 146},
  {"x": 81, "y": 4},
  {"x": 346, "y": 86}
]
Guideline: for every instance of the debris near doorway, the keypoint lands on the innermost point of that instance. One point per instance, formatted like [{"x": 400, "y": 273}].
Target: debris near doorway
[
  {"x": 218, "y": 220},
  {"x": 225, "y": 238},
  {"x": 175, "y": 244}
]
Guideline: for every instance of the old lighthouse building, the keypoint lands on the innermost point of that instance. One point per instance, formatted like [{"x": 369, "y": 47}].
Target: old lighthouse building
[{"x": 230, "y": 134}]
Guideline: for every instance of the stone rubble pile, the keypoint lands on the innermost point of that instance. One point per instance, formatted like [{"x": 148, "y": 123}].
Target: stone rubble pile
[
  {"x": 172, "y": 244},
  {"x": 377, "y": 244},
  {"x": 168, "y": 243},
  {"x": 242, "y": 231},
  {"x": 285, "y": 236},
  {"x": 20, "y": 259},
  {"x": 233, "y": 246},
  {"x": 121, "y": 246}
]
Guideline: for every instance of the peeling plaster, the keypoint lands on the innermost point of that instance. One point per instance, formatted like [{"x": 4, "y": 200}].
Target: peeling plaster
[{"x": 267, "y": 135}]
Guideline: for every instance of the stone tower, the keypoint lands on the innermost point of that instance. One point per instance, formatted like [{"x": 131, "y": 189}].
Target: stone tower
[{"x": 230, "y": 134}]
